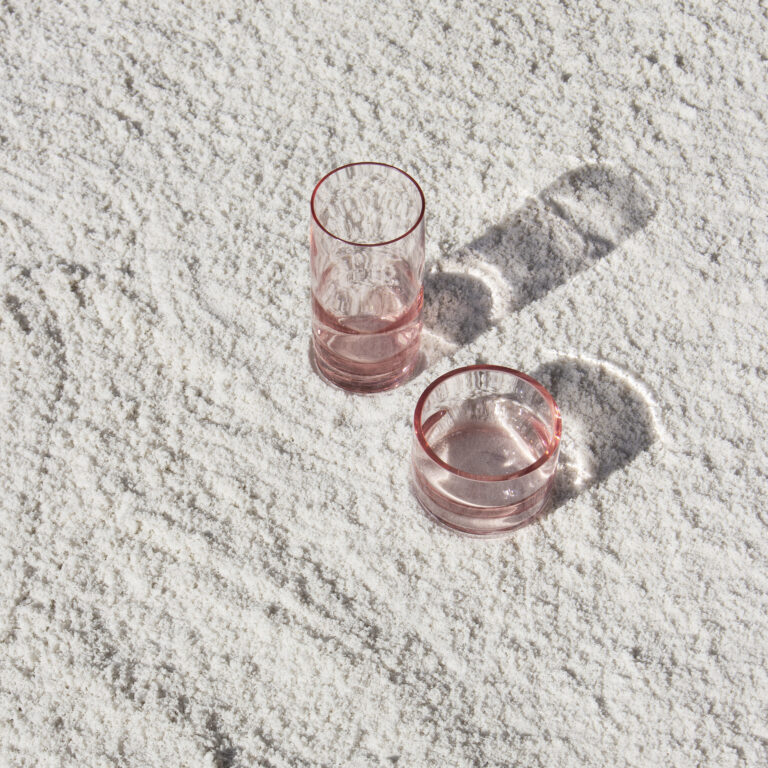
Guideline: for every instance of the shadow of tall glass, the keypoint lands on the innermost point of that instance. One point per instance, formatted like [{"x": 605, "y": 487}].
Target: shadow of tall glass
[{"x": 568, "y": 227}]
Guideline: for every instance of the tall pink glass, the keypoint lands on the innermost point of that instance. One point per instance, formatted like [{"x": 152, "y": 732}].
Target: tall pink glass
[
  {"x": 485, "y": 448},
  {"x": 367, "y": 261}
]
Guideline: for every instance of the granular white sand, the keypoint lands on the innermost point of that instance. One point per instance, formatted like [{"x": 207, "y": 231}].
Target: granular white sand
[{"x": 210, "y": 557}]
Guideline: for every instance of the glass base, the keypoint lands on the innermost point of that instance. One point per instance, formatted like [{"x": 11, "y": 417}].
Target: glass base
[
  {"x": 364, "y": 378},
  {"x": 479, "y": 521}
]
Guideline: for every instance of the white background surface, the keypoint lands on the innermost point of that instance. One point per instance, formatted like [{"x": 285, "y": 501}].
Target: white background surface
[{"x": 209, "y": 557}]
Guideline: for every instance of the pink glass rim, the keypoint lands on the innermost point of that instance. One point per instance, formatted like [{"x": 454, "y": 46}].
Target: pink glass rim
[
  {"x": 551, "y": 446},
  {"x": 381, "y": 165}
]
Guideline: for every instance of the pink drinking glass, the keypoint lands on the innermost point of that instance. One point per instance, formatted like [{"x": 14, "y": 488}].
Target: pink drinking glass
[
  {"x": 367, "y": 259},
  {"x": 485, "y": 447}
]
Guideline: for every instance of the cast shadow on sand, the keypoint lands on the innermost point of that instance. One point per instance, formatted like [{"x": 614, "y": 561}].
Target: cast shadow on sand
[
  {"x": 607, "y": 423},
  {"x": 569, "y": 226}
]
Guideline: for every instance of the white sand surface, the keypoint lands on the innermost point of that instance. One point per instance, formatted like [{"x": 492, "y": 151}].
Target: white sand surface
[{"x": 209, "y": 557}]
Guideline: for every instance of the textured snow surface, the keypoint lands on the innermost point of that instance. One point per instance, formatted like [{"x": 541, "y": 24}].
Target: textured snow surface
[{"x": 209, "y": 557}]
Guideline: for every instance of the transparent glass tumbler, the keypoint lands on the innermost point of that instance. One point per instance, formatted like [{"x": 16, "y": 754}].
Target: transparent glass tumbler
[
  {"x": 367, "y": 262},
  {"x": 485, "y": 449}
]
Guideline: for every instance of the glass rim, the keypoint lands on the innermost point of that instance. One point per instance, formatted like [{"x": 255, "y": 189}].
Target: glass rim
[
  {"x": 418, "y": 221},
  {"x": 551, "y": 445}
]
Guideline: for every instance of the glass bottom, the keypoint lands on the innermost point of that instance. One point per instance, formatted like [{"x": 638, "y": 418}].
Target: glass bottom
[
  {"x": 366, "y": 353},
  {"x": 474, "y": 520},
  {"x": 364, "y": 378}
]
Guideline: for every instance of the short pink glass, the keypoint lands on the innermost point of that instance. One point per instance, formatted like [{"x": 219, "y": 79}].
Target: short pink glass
[
  {"x": 485, "y": 448},
  {"x": 367, "y": 260}
]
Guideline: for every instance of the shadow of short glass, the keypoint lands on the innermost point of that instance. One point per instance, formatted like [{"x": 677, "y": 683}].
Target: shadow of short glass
[
  {"x": 575, "y": 221},
  {"x": 606, "y": 424}
]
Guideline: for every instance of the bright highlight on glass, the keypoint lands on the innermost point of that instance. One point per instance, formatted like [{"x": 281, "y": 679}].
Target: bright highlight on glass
[
  {"x": 485, "y": 448},
  {"x": 367, "y": 261}
]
